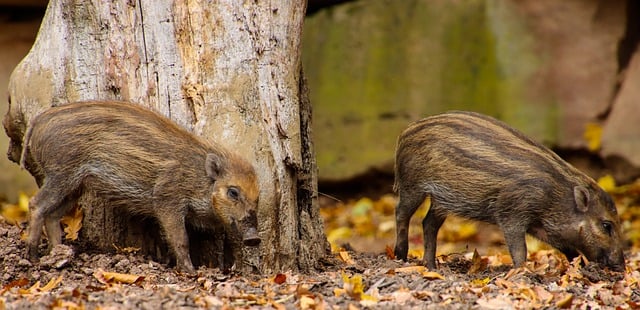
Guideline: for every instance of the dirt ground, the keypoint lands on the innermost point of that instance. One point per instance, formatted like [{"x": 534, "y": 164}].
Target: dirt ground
[{"x": 345, "y": 280}]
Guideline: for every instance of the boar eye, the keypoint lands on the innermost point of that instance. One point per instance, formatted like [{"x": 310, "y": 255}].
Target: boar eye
[
  {"x": 233, "y": 193},
  {"x": 607, "y": 227}
]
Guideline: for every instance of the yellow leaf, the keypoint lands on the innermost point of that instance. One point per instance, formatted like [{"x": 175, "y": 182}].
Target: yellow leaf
[
  {"x": 607, "y": 183},
  {"x": 480, "y": 282},
  {"x": 368, "y": 301},
  {"x": 13, "y": 214},
  {"x": 354, "y": 287},
  {"x": 386, "y": 204},
  {"x": 423, "y": 209},
  {"x": 16, "y": 214},
  {"x": 387, "y": 226},
  {"x": 565, "y": 302},
  {"x": 416, "y": 253},
  {"x": 23, "y": 202},
  {"x": 339, "y": 291},
  {"x": 432, "y": 275},
  {"x": 458, "y": 230},
  {"x": 307, "y": 302},
  {"x": 338, "y": 233},
  {"x": 362, "y": 207},
  {"x": 593, "y": 136},
  {"x": 345, "y": 257},
  {"x": 34, "y": 288},
  {"x": 52, "y": 284},
  {"x": 416, "y": 269},
  {"x": 72, "y": 222},
  {"x": 114, "y": 277}
]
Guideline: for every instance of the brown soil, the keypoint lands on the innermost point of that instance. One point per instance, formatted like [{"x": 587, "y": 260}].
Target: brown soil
[{"x": 386, "y": 283}]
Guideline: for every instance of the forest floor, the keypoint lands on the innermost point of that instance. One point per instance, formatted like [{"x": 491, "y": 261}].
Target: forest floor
[{"x": 360, "y": 272}]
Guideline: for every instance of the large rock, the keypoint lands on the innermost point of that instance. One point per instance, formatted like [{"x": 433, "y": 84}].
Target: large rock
[
  {"x": 548, "y": 67},
  {"x": 621, "y": 133}
]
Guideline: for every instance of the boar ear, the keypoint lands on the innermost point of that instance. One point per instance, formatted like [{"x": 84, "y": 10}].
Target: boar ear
[
  {"x": 214, "y": 165},
  {"x": 581, "y": 196}
]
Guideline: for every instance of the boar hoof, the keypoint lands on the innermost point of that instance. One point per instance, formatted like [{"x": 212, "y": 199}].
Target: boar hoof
[{"x": 187, "y": 269}]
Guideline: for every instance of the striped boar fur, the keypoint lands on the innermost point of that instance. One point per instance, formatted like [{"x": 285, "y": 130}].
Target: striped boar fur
[
  {"x": 139, "y": 160},
  {"x": 479, "y": 168}
]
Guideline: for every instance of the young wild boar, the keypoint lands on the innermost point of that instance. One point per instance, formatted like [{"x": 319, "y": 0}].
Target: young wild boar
[
  {"x": 479, "y": 168},
  {"x": 136, "y": 159}
]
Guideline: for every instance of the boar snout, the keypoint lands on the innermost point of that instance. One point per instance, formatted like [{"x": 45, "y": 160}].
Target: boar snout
[
  {"x": 250, "y": 237},
  {"x": 613, "y": 260},
  {"x": 248, "y": 227}
]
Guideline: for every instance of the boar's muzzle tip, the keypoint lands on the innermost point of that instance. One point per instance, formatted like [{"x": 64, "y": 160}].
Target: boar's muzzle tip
[
  {"x": 619, "y": 267},
  {"x": 250, "y": 237},
  {"x": 254, "y": 241},
  {"x": 616, "y": 263}
]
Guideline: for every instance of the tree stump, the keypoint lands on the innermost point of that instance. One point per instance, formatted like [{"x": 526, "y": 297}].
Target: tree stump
[{"x": 230, "y": 72}]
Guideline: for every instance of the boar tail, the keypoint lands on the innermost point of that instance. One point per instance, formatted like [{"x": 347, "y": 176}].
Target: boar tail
[{"x": 25, "y": 147}]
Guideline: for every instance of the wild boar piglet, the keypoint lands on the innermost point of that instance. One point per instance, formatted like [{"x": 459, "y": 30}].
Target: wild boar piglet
[
  {"x": 476, "y": 167},
  {"x": 136, "y": 159}
]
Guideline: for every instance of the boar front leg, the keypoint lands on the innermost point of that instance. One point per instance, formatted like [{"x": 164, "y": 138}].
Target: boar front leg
[
  {"x": 514, "y": 236},
  {"x": 176, "y": 234}
]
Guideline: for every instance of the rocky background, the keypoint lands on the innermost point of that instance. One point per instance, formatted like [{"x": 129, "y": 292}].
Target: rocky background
[
  {"x": 553, "y": 69},
  {"x": 563, "y": 71}
]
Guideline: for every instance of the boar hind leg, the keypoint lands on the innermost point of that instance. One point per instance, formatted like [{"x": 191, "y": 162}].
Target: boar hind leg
[
  {"x": 430, "y": 226},
  {"x": 407, "y": 206},
  {"x": 44, "y": 207},
  {"x": 52, "y": 223},
  {"x": 176, "y": 234}
]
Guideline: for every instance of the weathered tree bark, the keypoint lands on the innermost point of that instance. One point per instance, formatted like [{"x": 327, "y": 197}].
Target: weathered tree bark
[{"x": 228, "y": 70}]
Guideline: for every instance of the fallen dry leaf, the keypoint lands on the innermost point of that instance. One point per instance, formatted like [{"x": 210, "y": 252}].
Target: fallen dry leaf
[
  {"x": 432, "y": 275},
  {"x": 354, "y": 287},
  {"x": 72, "y": 222},
  {"x": 389, "y": 251},
  {"x": 607, "y": 182},
  {"x": 307, "y": 302},
  {"x": 345, "y": 257},
  {"x": 36, "y": 289},
  {"x": 565, "y": 301},
  {"x": 478, "y": 263},
  {"x": 16, "y": 213},
  {"x": 15, "y": 283},
  {"x": 53, "y": 283},
  {"x": 125, "y": 250},
  {"x": 105, "y": 277},
  {"x": 280, "y": 278},
  {"x": 417, "y": 269},
  {"x": 480, "y": 282},
  {"x": 593, "y": 136}
]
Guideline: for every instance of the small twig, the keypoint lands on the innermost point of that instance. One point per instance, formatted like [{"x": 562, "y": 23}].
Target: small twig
[
  {"x": 282, "y": 300},
  {"x": 374, "y": 286},
  {"x": 330, "y": 197}
]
